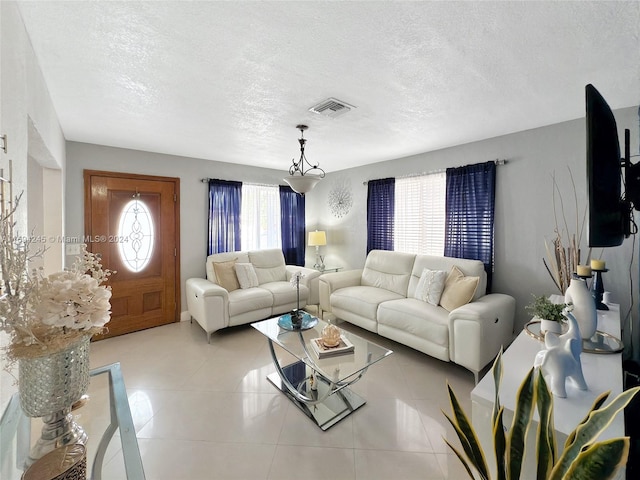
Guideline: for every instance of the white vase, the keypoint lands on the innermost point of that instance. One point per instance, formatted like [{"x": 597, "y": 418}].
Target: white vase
[
  {"x": 584, "y": 307},
  {"x": 550, "y": 326}
]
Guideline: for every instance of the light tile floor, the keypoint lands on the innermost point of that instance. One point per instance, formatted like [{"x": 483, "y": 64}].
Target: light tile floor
[{"x": 206, "y": 411}]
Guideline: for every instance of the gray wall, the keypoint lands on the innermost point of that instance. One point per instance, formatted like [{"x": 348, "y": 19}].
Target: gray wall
[{"x": 524, "y": 209}]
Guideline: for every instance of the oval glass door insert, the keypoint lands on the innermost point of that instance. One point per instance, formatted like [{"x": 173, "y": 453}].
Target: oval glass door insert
[{"x": 136, "y": 236}]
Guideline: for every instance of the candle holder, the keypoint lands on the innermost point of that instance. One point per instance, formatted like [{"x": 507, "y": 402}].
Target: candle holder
[{"x": 597, "y": 289}]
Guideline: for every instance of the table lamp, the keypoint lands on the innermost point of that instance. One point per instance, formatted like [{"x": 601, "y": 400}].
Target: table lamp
[{"x": 318, "y": 239}]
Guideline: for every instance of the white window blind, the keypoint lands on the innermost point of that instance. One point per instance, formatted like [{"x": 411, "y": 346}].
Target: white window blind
[
  {"x": 420, "y": 214},
  {"x": 260, "y": 217}
]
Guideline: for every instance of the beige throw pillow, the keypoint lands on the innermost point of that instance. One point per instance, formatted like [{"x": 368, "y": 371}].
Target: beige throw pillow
[
  {"x": 246, "y": 275},
  {"x": 430, "y": 286},
  {"x": 458, "y": 289},
  {"x": 226, "y": 275}
]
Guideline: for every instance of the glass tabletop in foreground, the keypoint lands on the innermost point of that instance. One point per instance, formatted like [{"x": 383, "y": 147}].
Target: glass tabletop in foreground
[{"x": 337, "y": 368}]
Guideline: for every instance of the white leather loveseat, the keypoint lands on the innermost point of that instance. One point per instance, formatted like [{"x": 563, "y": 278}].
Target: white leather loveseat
[
  {"x": 381, "y": 298},
  {"x": 243, "y": 287}
]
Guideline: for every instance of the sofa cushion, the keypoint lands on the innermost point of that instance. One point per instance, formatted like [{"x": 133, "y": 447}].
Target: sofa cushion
[
  {"x": 389, "y": 270},
  {"x": 473, "y": 268},
  {"x": 417, "y": 318},
  {"x": 246, "y": 275},
  {"x": 362, "y": 300},
  {"x": 283, "y": 293},
  {"x": 430, "y": 286},
  {"x": 247, "y": 300},
  {"x": 240, "y": 257},
  {"x": 226, "y": 275},
  {"x": 458, "y": 289},
  {"x": 269, "y": 265}
]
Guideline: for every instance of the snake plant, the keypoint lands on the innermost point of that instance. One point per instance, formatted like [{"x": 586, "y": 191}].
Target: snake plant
[{"x": 583, "y": 458}]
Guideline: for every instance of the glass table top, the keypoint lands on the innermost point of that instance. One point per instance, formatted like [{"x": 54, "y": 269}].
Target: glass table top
[
  {"x": 337, "y": 368},
  {"x": 106, "y": 412}
]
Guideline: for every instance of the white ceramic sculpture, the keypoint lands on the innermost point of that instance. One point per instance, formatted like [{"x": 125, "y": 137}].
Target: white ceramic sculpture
[
  {"x": 584, "y": 307},
  {"x": 561, "y": 359}
]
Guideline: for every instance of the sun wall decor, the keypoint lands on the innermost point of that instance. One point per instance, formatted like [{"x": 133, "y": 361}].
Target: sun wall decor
[{"x": 340, "y": 199}]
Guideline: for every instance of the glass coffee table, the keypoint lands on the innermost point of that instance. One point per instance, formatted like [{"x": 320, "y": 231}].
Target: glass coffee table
[{"x": 318, "y": 387}]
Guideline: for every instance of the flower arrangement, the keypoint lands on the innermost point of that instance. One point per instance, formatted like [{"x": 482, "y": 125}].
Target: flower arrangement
[
  {"x": 563, "y": 252},
  {"x": 44, "y": 314},
  {"x": 296, "y": 315},
  {"x": 295, "y": 279}
]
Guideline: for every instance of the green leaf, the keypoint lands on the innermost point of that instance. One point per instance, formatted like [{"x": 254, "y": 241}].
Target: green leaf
[
  {"x": 500, "y": 445},
  {"x": 473, "y": 449},
  {"x": 596, "y": 405},
  {"x": 587, "y": 432},
  {"x": 546, "y": 431},
  {"x": 497, "y": 380},
  {"x": 521, "y": 420},
  {"x": 460, "y": 457},
  {"x": 469, "y": 450},
  {"x": 600, "y": 461}
]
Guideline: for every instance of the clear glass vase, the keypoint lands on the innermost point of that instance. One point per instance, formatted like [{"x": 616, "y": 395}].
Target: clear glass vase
[{"x": 49, "y": 385}]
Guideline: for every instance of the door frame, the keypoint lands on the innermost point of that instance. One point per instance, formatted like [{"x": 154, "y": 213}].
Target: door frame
[{"x": 87, "y": 174}]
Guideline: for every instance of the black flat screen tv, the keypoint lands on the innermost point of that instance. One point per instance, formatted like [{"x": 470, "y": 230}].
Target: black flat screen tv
[{"x": 608, "y": 218}]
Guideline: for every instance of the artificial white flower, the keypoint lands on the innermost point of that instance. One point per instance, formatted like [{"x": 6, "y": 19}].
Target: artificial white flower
[
  {"x": 295, "y": 278},
  {"x": 47, "y": 311}
]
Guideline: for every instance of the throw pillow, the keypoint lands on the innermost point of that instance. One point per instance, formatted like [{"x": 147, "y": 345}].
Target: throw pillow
[
  {"x": 458, "y": 289},
  {"x": 246, "y": 275},
  {"x": 430, "y": 286},
  {"x": 226, "y": 275}
]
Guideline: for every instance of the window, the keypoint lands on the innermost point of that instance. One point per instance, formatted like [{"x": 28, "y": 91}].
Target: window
[
  {"x": 260, "y": 217},
  {"x": 136, "y": 226},
  {"x": 420, "y": 214},
  {"x": 252, "y": 217}
]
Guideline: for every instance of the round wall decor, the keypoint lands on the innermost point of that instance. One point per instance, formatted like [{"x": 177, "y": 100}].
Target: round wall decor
[{"x": 340, "y": 200}]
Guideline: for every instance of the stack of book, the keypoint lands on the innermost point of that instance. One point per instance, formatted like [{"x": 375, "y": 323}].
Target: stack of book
[{"x": 343, "y": 347}]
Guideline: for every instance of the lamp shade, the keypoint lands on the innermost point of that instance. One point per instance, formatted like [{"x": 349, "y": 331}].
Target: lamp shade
[
  {"x": 317, "y": 238},
  {"x": 302, "y": 183}
]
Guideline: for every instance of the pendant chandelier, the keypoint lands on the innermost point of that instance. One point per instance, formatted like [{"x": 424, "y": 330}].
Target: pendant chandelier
[{"x": 299, "y": 179}]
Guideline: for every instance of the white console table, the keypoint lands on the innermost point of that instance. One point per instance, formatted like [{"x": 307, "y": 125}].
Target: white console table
[{"x": 602, "y": 372}]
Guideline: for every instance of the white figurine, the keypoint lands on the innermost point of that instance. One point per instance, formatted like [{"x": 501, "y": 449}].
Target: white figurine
[{"x": 561, "y": 359}]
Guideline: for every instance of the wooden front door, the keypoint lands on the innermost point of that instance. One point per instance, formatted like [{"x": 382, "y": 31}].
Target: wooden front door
[{"x": 132, "y": 222}]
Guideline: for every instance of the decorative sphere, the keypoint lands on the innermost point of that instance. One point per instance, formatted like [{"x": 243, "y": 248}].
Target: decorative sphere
[{"x": 331, "y": 336}]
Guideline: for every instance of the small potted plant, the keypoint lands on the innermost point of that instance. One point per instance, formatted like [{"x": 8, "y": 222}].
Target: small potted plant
[{"x": 551, "y": 315}]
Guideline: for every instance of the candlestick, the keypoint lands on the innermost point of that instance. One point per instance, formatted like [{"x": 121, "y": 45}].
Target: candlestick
[
  {"x": 583, "y": 271},
  {"x": 597, "y": 288}
]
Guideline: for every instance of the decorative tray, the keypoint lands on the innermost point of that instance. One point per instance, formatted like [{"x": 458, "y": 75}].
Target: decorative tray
[
  {"x": 308, "y": 321},
  {"x": 601, "y": 342}
]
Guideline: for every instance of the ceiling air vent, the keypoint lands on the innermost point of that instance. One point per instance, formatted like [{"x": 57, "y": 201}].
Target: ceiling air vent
[{"x": 331, "y": 107}]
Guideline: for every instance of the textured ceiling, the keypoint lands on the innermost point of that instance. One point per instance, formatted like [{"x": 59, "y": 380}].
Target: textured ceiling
[{"x": 229, "y": 81}]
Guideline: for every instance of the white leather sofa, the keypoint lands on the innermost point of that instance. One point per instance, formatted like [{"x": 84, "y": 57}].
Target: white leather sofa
[
  {"x": 381, "y": 298},
  {"x": 266, "y": 294}
]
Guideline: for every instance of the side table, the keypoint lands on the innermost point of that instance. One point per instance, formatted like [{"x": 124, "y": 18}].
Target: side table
[
  {"x": 15, "y": 432},
  {"x": 602, "y": 372},
  {"x": 329, "y": 269},
  {"x": 325, "y": 270}
]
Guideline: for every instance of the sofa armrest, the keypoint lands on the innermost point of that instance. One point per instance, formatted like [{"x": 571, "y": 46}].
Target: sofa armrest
[
  {"x": 330, "y": 282},
  {"x": 208, "y": 304},
  {"x": 479, "y": 329},
  {"x": 310, "y": 279}
]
